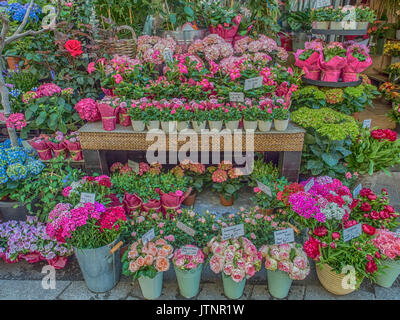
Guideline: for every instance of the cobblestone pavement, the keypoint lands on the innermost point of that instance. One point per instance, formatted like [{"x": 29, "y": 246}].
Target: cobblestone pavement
[{"x": 23, "y": 281}]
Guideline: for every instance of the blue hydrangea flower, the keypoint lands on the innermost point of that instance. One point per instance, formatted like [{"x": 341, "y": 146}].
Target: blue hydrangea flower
[
  {"x": 3, "y": 3},
  {"x": 17, "y": 171},
  {"x": 3, "y": 159},
  {"x": 35, "y": 167},
  {"x": 7, "y": 143},
  {"x": 16, "y": 155},
  {"x": 3, "y": 175},
  {"x": 15, "y": 93},
  {"x": 17, "y": 12}
]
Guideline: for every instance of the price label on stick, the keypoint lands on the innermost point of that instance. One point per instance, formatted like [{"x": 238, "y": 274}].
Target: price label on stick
[
  {"x": 284, "y": 236},
  {"x": 264, "y": 188},
  {"x": 367, "y": 123},
  {"x": 148, "y": 236},
  {"x": 167, "y": 54},
  {"x": 185, "y": 228},
  {"x": 134, "y": 165},
  {"x": 189, "y": 251},
  {"x": 352, "y": 232},
  {"x": 233, "y": 232},
  {"x": 309, "y": 185},
  {"x": 87, "y": 197},
  {"x": 322, "y": 3},
  {"x": 236, "y": 96},
  {"x": 357, "y": 190},
  {"x": 253, "y": 83}
]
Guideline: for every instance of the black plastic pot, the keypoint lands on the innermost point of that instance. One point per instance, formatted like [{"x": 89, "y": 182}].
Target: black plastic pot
[{"x": 8, "y": 212}]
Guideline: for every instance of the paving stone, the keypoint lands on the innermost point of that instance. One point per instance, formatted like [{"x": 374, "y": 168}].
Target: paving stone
[
  {"x": 79, "y": 291},
  {"x": 296, "y": 292},
  {"x": 387, "y": 293},
  {"x": 215, "y": 291},
  {"x": 260, "y": 292},
  {"x": 319, "y": 293},
  {"x": 29, "y": 290},
  {"x": 170, "y": 291}
]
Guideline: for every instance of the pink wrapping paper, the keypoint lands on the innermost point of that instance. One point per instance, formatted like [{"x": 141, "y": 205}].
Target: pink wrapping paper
[
  {"x": 332, "y": 69},
  {"x": 75, "y": 150},
  {"x": 42, "y": 148},
  {"x": 227, "y": 34},
  {"x": 59, "y": 149},
  {"x": 115, "y": 202},
  {"x": 132, "y": 202},
  {"x": 170, "y": 201},
  {"x": 58, "y": 262},
  {"x": 311, "y": 66},
  {"x": 32, "y": 257},
  {"x": 152, "y": 204},
  {"x": 108, "y": 116},
  {"x": 354, "y": 67},
  {"x": 124, "y": 118},
  {"x": 108, "y": 92}
]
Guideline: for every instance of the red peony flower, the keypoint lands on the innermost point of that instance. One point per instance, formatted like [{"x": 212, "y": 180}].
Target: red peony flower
[
  {"x": 349, "y": 223},
  {"x": 374, "y": 215},
  {"x": 354, "y": 203},
  {"x": 74, "y": 47},
  {"x": 366, "y": 207},
  {"x": 384, "y": 214},
  {"x": 320, "y": 231},
  {"x": 377, "y": 255},
  {"x": 311, "y": 248},
  {"x": 371, "y": 267},
  {"x": 372, "y": 197},
  {"x": 370, "y": 230},
  {"x": 389, "y": 209},
  {"x": 365, "y": 192},
  {"x": 335, "y": 235}
]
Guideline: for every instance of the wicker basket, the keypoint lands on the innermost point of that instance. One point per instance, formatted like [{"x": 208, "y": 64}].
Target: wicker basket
[
  {"x": 332, "y": 281},
  {"x": 121, "y": 47}
]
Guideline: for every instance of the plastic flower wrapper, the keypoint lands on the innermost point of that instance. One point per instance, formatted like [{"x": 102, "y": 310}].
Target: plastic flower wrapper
[
  {"x": 358, "y": 60},
  {"x": 124, "y": 118},
  {"x": 40, "y": 144},
  {"x": 289, "y": 258},
  {"x": 308, "y": 60},
  {"x": 73, "y": 145},
  {"x": 147, "y": 260},
  {"x": 236, "y": 258},
  {"x": 57, "y": 145},
  {"x": 188, "y": 262},
  {"x": 331, "y": 69},
  {"x": 108, "y": 110},
  {"x": 132, "y": 203}
]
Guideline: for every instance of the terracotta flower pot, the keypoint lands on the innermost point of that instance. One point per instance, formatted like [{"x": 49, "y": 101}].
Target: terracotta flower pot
[
  {"x": 189, "y": 201},
  {"x": 225, "y": 202},
  {"x": 13, "y": 62}
]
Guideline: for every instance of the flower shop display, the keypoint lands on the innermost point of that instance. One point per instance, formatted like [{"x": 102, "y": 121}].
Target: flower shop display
[
  {"x": 332, "y": 62},
  {"x": 392, "y": 49},
  {"x": 238, "y": 260},
  {"x": 394, "y": 72},
  {"x": 28, "y": 240},
  {"x": 321, "y": 17},
  {"x": 92, "y": 230},
  {"x": 226, "y": 180},
  {"x": 284, "y": 263},
  {"x": 147, "y": 262},
  {"x": 188, "y": 264},
  {"x": 364, "y": 16},
  {"x": 308, "y": 59},
  {"x": 387, "y": 243},
  {"x": 373, "y": 151}
]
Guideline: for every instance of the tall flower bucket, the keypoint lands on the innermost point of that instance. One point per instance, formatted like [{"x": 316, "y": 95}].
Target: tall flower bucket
[
  {"x": 101, "y": 269},
  {"x": 232, "y": 289},
  {"x": 189, "y": 281},
  {"x": 390, "y": 274},
  {"x": 151, "y": 287},
  {"x": 279, "y": 283}
]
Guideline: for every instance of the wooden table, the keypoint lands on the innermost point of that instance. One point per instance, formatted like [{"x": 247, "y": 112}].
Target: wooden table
[{"x": 95, "y": 142}]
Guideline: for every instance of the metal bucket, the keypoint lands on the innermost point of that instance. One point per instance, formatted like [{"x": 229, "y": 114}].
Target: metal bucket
[
  {"x": 101, "y": 270},
  {"x": 185, "y": 37},
  {"x": 8, "y": 212}
]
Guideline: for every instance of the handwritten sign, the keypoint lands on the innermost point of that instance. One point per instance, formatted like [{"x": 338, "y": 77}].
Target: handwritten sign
[
  {"x": 185, "y": 228},
  {"x": 367, "y": 123},
  {"x": 253, "y": 83},
  {"x": 233, "y": 232},
  {"x": 87, "y": 197},
  {"x": 357, "y": 190},
  {"x": 284, "y": 236},
  {"x": 264, "y": 188},
  {"x": 309, "y": 185},
  {"x": 134, "y": 165},
  {"x": 322, "y": 3},
  {"x": 167, "y": 55},
  {"x": 189, "y": 251},
  {"x": 236, "y": 96},
  {"x": 148, "y": 236},
  {"x": 352, "y": 232}
]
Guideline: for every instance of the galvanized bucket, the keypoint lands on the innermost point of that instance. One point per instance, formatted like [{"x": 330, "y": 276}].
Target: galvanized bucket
[{"x": 101, "y": 269}]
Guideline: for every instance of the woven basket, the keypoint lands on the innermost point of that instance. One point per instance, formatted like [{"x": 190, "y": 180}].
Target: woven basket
[
  {"x": 121, "y": 47},
  {"x": 332, "y": 281}
]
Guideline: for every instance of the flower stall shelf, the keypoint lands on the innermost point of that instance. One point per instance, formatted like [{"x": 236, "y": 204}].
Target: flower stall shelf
[
  {"x": 100, "y": 265},
  {"x": 147, "y": 263},
  {"x": 95, "y": 141},
  {"x": 188, "y": 264}
]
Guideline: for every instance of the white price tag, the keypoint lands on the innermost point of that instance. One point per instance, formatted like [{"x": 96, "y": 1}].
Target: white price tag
[
  {"x": 185, "y": 228},
  {"x": 167, "y": 55},
  {"x": 352, "y": 232},
  {"x": 309, "y": 185},
  {"x": 233, "y": 232},
  {"x": 253, "y": 83},
  {"x": 367, "y": 123},
  {"x": 87, "y": 197},
  {"x": 357, "y": 190},
  {"x": 134, "y": 165},
  {"x": 236, "y": 96},
  {"x": 322, "y": 3},
  {"x": 284, "y": 236},
  {"x": 148, "y": 236},
  {"x": 189, "y": 251},
  {"x": 264, "y": 188}
]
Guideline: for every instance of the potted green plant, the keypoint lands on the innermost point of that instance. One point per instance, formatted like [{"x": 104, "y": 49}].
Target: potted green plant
[
  {"x": 183, "y": 117},
  {"x": 265, "y": 119},
  {"x": 137, "y": 115},
  {"x": 215, "y": 118},
  {"x": 151, "y": 117},
  {"x": 336, "y": 20},
  {"x": 199, "y": 119},
  {"x": 232, "y": 116},
  {"x": 321, "y": 18},
  {"x": 364, "y": 16},
  {"x": 281, "y": 115},
  {"x": 250, "y": 117},
  {"x": 168, "y": 119}
]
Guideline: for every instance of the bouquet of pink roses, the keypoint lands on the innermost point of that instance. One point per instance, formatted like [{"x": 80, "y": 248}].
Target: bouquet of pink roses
[
  {"x": 289, "y": 258},
  {"x": 188, "y": 262},
  {"x": 236, "y": 258}
]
